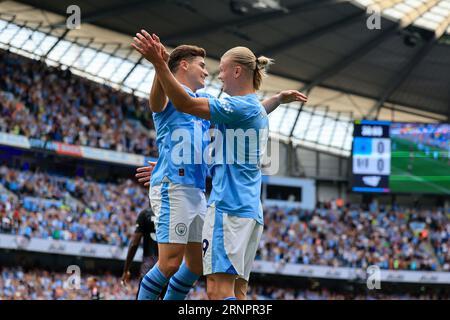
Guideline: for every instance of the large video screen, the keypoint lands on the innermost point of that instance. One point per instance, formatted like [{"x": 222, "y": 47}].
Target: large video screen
[{"x": 401, "y": 157}]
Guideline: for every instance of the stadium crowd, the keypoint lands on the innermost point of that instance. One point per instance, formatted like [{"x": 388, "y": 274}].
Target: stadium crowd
[
  {"x": 98, "y": 213},
  {"x": 37, "y": 284},
  {"x": 395, "y": 238},
  {"x": 350, "y": 236},
  {"x": 51, "y": 104},
  {"x": 15, "y": 284}
]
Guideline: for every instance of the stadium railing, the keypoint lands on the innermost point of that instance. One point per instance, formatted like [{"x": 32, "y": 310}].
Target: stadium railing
[{"x": 65, "y": 149}]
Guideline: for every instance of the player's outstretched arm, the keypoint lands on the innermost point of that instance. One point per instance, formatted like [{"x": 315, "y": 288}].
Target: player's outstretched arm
[
  {"x": 286, "y": 96},
  {"x": 149, "y": 48},
  {"x": 157, "y": 99}
]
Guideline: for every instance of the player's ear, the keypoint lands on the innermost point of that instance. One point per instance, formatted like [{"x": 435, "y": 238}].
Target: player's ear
[
  {"x": 237, "y": 71},
  {"x": 184, "y": 65}
]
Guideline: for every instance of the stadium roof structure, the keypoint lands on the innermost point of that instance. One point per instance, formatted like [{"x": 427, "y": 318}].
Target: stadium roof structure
[{"x": 400, "y": 71}]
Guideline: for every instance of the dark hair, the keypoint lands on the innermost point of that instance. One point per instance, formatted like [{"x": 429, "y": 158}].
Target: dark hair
[{"x": 184, "y": 52}]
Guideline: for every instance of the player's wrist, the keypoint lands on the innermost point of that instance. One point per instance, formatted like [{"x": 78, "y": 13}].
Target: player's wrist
[
  {"x": 279, "y": 98},
  {"x": 160, "y": 65}
]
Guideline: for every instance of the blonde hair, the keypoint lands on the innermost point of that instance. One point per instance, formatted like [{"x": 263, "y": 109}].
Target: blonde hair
[{"x": 245, "y": 57}]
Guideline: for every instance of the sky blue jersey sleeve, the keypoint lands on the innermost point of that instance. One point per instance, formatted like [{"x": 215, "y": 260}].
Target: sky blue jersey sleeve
[{"x": 204, "y": 95}]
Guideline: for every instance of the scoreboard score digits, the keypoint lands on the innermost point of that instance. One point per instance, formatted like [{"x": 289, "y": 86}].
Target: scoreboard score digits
[{"x": 371, "y": 165}]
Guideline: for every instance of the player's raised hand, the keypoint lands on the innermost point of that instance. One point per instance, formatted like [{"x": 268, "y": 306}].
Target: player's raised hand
[
  {"x": 288, "y": 96},
  {"x": 148, "y": 47},
  {"x": 144, "y": 173},
  {"x": 164, "y": 53}
]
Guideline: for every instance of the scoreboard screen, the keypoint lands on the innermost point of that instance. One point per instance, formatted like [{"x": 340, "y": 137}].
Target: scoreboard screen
[{"x": 401, "y": 157}]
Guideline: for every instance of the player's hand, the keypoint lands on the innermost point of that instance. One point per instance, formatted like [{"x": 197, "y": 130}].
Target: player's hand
[
  {"x": 288, "y": 96},
  {"x": 144, "y": 173},
  {"x": 150, "y": 49},
  {"x": 125, "y": 278},
  {"x": 163, "y": 52}
]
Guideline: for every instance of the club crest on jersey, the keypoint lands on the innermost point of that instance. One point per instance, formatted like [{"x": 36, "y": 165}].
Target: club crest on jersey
[{"x": 180, "y": 229}]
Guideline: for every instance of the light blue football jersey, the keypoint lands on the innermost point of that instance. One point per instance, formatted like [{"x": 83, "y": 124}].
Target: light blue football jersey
[
  {"x": 241, "y": 133},
  {"x": 181, "y": 139}
]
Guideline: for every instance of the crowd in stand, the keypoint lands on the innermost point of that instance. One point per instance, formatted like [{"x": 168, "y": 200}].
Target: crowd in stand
[
  {"x": 349, "y": 236},
  {"x": 392, "y": 238},
  {"x": 89, "y": 212},
  {"x": 38, "y": 284},
  {"x": 15, "y": 284},
  {"x": 49, "y": 103}
]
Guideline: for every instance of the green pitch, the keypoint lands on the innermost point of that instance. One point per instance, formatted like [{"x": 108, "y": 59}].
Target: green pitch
[{"x": 420, "y": 172}]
